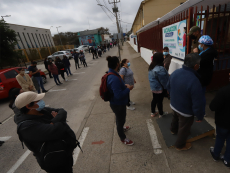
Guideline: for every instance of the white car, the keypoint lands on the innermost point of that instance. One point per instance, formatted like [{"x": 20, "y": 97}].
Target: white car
[
  {"x": 83, "y": 47},
  {"x": 60, "y": 55}
]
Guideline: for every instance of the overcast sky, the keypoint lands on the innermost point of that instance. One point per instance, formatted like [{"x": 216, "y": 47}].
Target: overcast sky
[{"x": 71, "y": 15}]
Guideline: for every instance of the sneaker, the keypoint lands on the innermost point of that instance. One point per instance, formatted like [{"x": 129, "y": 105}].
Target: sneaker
[
  {"x": 131, "y": 108},
  {"x": 215, "y": 158},
  {"x": 154, "y": 114},
  {"x": 127, "y": 142},
  {"x": 164, "y": 113},
  {"x": 224, "y": 161},
  {"x": 66, "y": 80},
  {"x": 71, "y": 74},
  {"x": 45, "y": 91},
  {"x": 132, "y": 103},
  {"x": 186, "y": 147},
  {"x": 126, "y": 128}
]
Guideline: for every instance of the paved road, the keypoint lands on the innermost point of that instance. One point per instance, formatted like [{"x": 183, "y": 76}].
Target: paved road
[{"x": 75, "y": 96}]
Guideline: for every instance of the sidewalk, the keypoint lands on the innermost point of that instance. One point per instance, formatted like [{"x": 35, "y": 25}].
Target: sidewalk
[{"x": 104, "y": 153}]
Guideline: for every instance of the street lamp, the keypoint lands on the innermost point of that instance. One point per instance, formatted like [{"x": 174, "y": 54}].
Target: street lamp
[
  {"x": 59, "y": 34},
  {"x": 5, "y": 16},
  {"x": 51, "y": 27}
]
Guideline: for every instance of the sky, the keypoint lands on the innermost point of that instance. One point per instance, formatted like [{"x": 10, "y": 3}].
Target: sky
[{"x": 71, "y": 15}]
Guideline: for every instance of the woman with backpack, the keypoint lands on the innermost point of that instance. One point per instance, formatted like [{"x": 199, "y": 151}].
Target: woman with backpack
[
  {"x": 61, "y": 67},
  {"x": 67, "y": 65},
  {"x": 158, "y": 78},
  {"x": 82, "y": 58},
  {"x": 127, "y": 75},
  {"x": 54, "y": 70}
]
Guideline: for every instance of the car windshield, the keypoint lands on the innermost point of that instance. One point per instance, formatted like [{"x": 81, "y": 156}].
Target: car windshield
[{"x": 0, "y": 80}]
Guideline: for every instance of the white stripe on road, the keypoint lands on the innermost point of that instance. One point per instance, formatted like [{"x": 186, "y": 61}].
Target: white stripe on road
[
  {"x": 81, "y": 140},
  {"x": 57, "y": 90},
  {"x": 19, "y": 162},
  {"x": 72, "y": 79},
  {"x": 5, "y": 138},
  {"x": 79, "y": 73},
  {"x": 7, "y": 119},
  {"x": 153, "y": 136}
]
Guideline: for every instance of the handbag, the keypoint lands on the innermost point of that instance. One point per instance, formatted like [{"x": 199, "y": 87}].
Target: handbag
[{"x": 165, "y": 92}]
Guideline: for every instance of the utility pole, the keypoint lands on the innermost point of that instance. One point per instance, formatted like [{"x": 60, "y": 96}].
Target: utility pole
[
  {"x": 59, "y": 35},
  {"x": 115, "y": 10}
]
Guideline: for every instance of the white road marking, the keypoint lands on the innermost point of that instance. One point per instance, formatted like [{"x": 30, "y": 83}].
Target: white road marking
[
  {"x": 7, "y": 119},
  {"x": 72, "y": 79},
  {"x": 79, "y": 73},
  {"x": 81, "y": 140},
  {"x": 5, "y": 138},
  {"x": 153, "y": 136},
  {"x": 57, "y": 90},
  {"x": 19, "y": 162}
]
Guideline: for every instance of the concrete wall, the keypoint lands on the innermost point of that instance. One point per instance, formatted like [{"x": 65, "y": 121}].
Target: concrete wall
[
  {"x": 32, "y": 37},
  {"x": 131, "y": 42},
  {"x": 146, "y": 54}
]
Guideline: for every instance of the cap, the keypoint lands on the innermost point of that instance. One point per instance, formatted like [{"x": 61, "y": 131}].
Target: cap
[
  {"x": 206, "y": 40},
  {"x": 193, "y": 29},
  {"x": 26, "y": 98}
]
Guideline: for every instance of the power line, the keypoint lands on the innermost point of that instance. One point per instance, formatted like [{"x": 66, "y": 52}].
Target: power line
[
  {"x": 106, "y": 7},
  {"x": 104, "y": 10}
]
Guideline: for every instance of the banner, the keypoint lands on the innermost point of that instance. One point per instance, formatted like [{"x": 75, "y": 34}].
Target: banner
[{"x": 174, "y": 37}]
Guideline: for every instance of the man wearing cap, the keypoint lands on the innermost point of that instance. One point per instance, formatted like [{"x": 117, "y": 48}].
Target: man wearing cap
[
  {"x": 195, "y": 35},
  {"x": 35, "y": 72},
  {"x": 38, "y": 126}
]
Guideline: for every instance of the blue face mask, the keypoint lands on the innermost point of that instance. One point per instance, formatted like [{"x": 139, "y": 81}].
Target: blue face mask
[
  {"x": 128, "y": 64},
  {"x": 41, "y": 105},
  {"x": 200, "y": 48},
  {"x": 165, "y": 53}
]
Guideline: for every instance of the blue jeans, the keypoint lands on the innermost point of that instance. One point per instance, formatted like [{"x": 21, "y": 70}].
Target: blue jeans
[
  {"x": 67, "y": 69},
  {"x": 222, "y": 135},
  {"x": 40, "y": 83},
  {"x": 56, "y": 79}
]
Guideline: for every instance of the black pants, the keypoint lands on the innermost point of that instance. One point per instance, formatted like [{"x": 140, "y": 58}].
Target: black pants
[
  {"x": 182, "y": 126},
  {"x": 62, "y": 72},
  {"x": 157, "y": 101},
  {"x": 128, "y": 104},
  {"x": 120, "y": 112},
  {"x": 84, "y": 63},
  {"x": 94, "y": 54},
  {"x": 49, "y": 73},
  {"x": 77, "y": 63}
]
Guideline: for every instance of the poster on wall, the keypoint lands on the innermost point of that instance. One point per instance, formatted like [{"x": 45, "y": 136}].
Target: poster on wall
[
  {"x": 174, "y": 37},
  {"x": 88, "y": 40}
]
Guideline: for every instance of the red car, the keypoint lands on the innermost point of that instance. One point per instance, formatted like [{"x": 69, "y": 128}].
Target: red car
[{"x": 8, "y": 80}]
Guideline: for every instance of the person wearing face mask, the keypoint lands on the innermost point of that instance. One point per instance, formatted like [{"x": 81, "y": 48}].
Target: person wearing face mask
[
  {"x": 195, "y": 34},
  {"x": 25, "y": 81},
  {"x": 167, "y": 58},
  {"x": 45, "y": 132},
  {"x": 35, "y": 72},
  {"x": 120, "y": 97},
  {"x": 186, "y": 99},
  {"x": 127, "y": 75}
]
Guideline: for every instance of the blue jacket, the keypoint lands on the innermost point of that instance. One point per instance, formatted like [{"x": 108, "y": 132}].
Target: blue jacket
[
  {"x": 118, "y": 88},
  {"x": 162, "y": 75},
  {"x": 186, "y": 94}
]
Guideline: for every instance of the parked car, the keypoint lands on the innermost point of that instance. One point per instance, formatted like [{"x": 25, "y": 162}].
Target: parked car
[
  {"x": 70, "y": 50},
  {"x": 83, "y": 47},
  {"x": 60, "y": 55},
  {"x": 8, "y": 80}
]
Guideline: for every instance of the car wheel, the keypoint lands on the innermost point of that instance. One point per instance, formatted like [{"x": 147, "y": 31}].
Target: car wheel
[{"x": 44, "y": 79}]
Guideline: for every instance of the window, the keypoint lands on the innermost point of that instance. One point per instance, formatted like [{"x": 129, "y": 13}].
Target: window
[
  {"x": 10, "y": 74},
  {"x": 34, "y": 40},
  {"x": 30, "y": 40},
  {"x": 55, "y": 53},
  {"x": 60, "y": 53},
  {"x": 50, "y": 40},
  {"x": 26, "y": 40},
  {"x": 21, "y": 40},
  {"x": 47, "y": 40},
  {"x": 41, "y": 40},
  {"x": 38, "y": 40}
]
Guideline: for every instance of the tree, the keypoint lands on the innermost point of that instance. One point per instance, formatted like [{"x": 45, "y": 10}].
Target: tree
[
  {"x": 8, "y": 40},
  {"x": 103, "y": 30},
  {"x": 67, "y": 38}
]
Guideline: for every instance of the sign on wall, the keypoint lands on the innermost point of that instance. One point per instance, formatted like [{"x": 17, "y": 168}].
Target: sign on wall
[
  {"x": 88, "y": 40},
  {"x": 174, "y": 37}
]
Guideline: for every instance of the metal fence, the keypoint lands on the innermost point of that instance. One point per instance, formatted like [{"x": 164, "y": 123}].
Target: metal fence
[
  {"x": 41, "y": 53},
  {"x": 216, "y": 24}
]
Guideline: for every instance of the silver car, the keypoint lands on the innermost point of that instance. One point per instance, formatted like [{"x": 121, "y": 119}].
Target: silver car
[{"x": 60, "y": 55}]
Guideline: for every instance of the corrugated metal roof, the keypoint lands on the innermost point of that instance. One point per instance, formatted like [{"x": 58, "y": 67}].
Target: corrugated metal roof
[{"x": 88, "y": 32}]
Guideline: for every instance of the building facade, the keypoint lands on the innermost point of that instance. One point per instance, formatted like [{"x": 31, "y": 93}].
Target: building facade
[
  {"x": 151, "y": 10},
  {"x": 90, "y": 37},
  {"x": 32, "y": 37}
]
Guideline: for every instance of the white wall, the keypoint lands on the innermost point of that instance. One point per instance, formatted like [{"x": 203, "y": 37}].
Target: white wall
[
  {"x": 131, "y": 42},
  {"x": 146, "y": 54}
]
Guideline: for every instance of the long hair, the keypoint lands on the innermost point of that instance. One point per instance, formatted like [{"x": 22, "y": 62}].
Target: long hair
[
  {"x": 112, "y": 61},
  {"x": 157, "y": 60},
  {"x": 123, "y": 62}
]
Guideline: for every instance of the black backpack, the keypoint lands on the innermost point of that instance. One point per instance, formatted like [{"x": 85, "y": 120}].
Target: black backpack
[{"x": 52, "y": 154}]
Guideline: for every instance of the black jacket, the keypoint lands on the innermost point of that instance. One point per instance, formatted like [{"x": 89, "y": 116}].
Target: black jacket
[
  {"x": 46, "y": 64},
  {"x": 60, "y": 65},
  {"x": 220, "y": 104},
  {"x": 206, "y": 66},
  {"x": 76, "y": 55}
]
